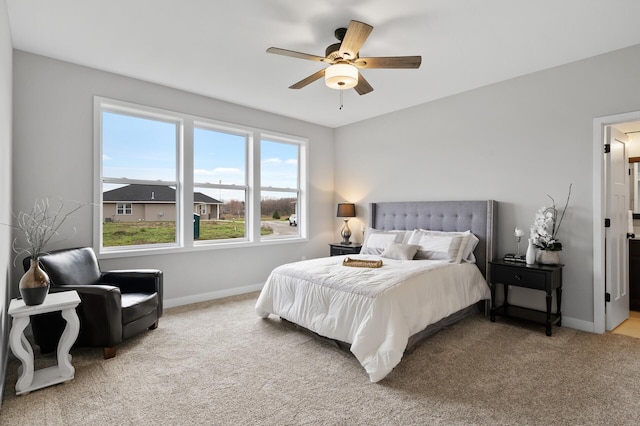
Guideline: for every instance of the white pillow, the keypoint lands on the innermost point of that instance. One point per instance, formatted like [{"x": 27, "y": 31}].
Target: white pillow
[
  {"x": 452, "y": 246},
  {"x": 467, "y": 247},
  {"x": 376, "y": 241},
  {"x": 470, "y": 246},
  {"x": 436, "y": 246},
  {"x": 400, "y": 251}
]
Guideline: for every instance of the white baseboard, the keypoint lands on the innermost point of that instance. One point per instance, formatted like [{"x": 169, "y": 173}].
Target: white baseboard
[
  {"x": 578, "y": 324},
  {"x": 203, "y": 297}
]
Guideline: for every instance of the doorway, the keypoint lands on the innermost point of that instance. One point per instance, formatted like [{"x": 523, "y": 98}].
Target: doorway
[{"x": 624, "y": 122}]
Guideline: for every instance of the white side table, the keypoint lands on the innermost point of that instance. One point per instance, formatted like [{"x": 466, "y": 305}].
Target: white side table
[{"x": 29, "y": 380}]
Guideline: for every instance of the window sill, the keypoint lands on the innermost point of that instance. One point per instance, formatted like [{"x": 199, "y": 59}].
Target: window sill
[{"x": 162, "y": 250}]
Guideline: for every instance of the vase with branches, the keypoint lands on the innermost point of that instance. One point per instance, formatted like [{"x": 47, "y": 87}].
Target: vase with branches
[{"x": 39, "y": 227}]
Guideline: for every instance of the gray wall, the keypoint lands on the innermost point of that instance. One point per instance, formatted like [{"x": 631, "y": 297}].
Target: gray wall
[
  {"x": 53, "y": 156},
  {"x": 514, "y": 142},
  {"x": 5, "y": 186}
]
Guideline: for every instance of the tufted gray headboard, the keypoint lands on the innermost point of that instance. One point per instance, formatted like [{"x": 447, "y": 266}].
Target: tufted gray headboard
[{"x": 478, "y": 217}]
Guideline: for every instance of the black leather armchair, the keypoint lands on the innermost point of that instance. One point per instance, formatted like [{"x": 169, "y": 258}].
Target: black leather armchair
[{"x": 114, "y": 305}]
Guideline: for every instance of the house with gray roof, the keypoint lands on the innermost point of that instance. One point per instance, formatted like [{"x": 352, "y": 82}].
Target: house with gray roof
[{"x": 133, "y": 203}]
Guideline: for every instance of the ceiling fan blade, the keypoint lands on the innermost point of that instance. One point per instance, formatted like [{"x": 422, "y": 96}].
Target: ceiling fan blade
[
  {"x": 363, "y": 87},
  {"x": 353, "y": 40},
  {"x": 389, "y": 62},
  {"x": 313, "y": 77},
  {"x": 293, "y": 54}
]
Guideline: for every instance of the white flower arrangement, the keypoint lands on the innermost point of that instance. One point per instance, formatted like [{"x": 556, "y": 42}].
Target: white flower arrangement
[{"x": 546, "y": 225}]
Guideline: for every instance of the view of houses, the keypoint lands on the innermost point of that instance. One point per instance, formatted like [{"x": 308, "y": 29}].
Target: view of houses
[{"x": 134, "y": 203}]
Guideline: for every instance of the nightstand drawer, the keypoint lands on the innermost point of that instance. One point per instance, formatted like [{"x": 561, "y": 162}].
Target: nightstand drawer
[
  {"x": 519, "y": 277},
  {"x": 342, "y": 249}
]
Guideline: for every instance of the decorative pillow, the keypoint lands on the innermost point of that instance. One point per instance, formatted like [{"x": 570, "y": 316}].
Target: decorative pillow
[
  {"x": 470, "y": 246},
  {"x": 400, "y": 251},
  {"x": 466, "y": 248},
  {"x": 440, "y": 245},
  {"x": 376, "y": 241}
]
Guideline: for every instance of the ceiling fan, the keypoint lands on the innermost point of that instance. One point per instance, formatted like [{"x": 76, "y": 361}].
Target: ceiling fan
[{"x": 345, "y": 61}]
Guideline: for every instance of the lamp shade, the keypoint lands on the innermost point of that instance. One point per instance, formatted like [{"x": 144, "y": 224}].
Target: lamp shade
[
  {"x": 341, "y": 76},
  {"x": 346, "y": 210}
]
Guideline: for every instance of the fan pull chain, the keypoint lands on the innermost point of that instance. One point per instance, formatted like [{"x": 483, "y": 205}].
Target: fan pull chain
[{"x": 341, "y": 102}]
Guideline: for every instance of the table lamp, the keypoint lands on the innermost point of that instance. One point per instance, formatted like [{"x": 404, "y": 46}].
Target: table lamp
[{"x": 346, "y": 210}]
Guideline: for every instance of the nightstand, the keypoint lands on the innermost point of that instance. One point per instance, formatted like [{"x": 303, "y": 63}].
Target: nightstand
[
  {"x": 338, "y": 249},
  {"x": 546, "y": 278}
]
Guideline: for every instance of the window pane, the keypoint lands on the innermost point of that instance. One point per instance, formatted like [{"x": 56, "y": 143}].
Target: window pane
[
  {"x": 144, "y": 149},
  {"x": 279, "y": 164},
  {"x": 219, "y": 214},
  {"x": 278, "y": 217},
  {"x": 138, "y": 148},
  {"x": 138, "y": 215},
  {"x": 218, "y": 157}
]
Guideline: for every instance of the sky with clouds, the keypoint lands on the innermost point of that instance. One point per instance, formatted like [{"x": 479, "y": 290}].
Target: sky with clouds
[{"x": 138, "y": 148}]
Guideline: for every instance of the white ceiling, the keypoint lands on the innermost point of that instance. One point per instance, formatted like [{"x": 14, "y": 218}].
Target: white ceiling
[{"x": 217, "y": 48}]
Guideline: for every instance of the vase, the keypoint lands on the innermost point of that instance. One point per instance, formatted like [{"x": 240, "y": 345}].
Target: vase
[
  {"x": 34, "y": 284},
  {"x": 548, "y": 257},
  {"x": 530, "y": 257}
]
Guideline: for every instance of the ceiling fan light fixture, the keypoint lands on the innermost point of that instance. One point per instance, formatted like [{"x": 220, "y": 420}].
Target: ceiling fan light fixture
[{"x": 341, "y": 76}]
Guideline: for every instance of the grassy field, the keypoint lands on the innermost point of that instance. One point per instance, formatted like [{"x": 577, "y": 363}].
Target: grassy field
[{"x": 115, "y": 234}]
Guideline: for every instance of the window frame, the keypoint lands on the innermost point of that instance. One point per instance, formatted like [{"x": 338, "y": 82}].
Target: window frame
[
  {"x": 185, "y": 185},
  {"x": 271, "y": 137},
  {"x": 125, "y": 207},
  {"x": 213, "y": 126}
]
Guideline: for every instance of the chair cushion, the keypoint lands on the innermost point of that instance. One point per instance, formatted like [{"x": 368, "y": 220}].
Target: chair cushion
[{"x": 137, "y": 305}]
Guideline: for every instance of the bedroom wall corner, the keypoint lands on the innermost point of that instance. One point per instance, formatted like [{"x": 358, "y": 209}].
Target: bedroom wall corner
[
  {"x": 53, "y": 114},
  {"x": 515, "y": 142}
]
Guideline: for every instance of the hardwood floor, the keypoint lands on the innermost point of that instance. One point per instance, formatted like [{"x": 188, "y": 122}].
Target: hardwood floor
[{"x": 631, "y": 326}]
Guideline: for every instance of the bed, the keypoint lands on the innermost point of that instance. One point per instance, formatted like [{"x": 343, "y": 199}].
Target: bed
[{"x": 379, "y": 313}]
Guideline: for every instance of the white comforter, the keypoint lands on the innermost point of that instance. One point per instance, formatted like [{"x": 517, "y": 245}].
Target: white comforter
[{"x": 376, "y": 310}]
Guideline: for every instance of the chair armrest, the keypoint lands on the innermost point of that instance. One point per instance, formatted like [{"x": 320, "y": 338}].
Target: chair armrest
[
  {"x": 137, "y": 281},
  {"x": 134, "y": 280}
]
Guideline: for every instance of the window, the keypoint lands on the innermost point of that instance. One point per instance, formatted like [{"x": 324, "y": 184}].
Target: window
[
  {"x": 123, "y": 208},
  {"x": 219, "y": 179},
  {"x": 280, "y": 187},
  {"x": 139, "y": 178},
  {"x": 168, "y": 180}
]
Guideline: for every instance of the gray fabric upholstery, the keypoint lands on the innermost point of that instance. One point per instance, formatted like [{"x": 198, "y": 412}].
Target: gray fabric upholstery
[{"x": 478, "y": 217}]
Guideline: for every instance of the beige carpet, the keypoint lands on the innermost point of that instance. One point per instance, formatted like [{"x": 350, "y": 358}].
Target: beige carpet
[{"x": 218, "y": 363}]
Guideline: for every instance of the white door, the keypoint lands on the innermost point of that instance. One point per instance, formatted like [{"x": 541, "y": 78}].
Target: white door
[{"x": 617, "y": 195}]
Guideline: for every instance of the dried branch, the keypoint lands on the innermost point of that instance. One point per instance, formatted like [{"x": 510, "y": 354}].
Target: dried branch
[{"x": 40, "y": 225}]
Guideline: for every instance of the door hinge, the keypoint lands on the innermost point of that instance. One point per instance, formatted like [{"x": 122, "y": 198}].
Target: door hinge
[
  {"x": 607, "y": 223},
  {"x": 607, "y": 148},
  {"x": 607, "y": 297}
]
